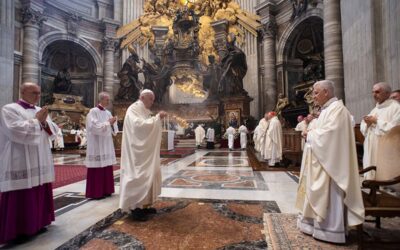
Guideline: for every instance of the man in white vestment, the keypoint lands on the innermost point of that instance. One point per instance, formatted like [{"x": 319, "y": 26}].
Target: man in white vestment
[
  {"x": 301, "y": 126},
  {"x": 210, "y": 135},
  {"x": 377, "y": 123},
  {"x": 273, "y": 140},
  {"x": 329, "y": 194},
  {"x": 243, "y": 136},
  {"x": 395, "y": 95},
  {"x": 140, "y": 158},
  {"x": 26, "y": 170},
  {"x": 100, "y": 153},
  {"x": 83, "y": 137},
  {"x": 256, "y": 138},
  {"x": 59, "y": 140},
  {"x": 199, "y": 134},
  {"x": 230, "y": 134},
  {"x": 263, "y": 128}
]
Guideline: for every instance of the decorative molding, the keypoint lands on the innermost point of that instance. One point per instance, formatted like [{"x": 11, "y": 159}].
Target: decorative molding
[
  {"x": 32, "y": 17},
  {"x": 269, "y": 29},
  {"x": 109, "y": 43},
  {"x": 73, "y": 23}
]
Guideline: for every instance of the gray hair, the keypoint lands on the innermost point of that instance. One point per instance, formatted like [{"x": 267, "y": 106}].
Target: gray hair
[
  {"x": 328, "y": 85},
  {"x": 102, "y": 95},
  {"x": 384, "y": 86}
]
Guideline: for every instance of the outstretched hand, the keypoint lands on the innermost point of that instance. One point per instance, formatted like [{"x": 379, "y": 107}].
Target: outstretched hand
[{"x": 162, "y": 114}]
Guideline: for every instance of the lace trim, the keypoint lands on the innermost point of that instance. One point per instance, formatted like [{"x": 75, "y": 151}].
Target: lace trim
[
  {"x": 23, "y": 174},
  {"x": 99, "y": 158}
]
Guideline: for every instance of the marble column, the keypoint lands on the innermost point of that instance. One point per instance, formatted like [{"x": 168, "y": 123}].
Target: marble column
[
  {"x": 32, "y": 20},
  {"x": 270, "y": 84},
  {"x": 109, "y": 46},
  {"x": 266, "y": 10},
  {"x": 7, "y": 19},
  {"x": 333, "y": 50}
]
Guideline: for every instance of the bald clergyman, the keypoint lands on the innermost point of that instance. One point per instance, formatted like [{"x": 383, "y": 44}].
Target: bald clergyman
[{"x": 26, "y": 169}]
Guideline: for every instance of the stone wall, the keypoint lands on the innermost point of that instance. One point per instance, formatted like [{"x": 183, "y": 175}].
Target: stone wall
[{"x": 371, "y": 50}]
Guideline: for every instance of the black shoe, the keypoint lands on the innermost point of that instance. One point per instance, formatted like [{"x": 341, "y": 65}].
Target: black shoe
[
  {"x": 150, "y": 210},
  {"x": 139, "y": 215}
]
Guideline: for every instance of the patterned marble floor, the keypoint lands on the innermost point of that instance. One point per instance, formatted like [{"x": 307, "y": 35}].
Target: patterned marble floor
[{"x": 204, "y": 175}]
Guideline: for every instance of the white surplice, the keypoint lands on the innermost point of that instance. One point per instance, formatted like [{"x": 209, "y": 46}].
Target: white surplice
[
  {"x": 100, "y": 150},
  {"x": 273, "y": 142},
  {"x": 24, "y": 149},
  {"x": 388, "y": 115},
  {"x": 329, "y": 194},
  {"x": 230, "y": 133},
  {"x": 210, "y": 135},
  {"x": 140, "y": 158},
  {"x": 199, "y": 134},
  {"x": 243, "y": 136}
]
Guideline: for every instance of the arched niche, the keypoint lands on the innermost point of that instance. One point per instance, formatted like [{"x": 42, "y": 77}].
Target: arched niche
[
  {"x": 80, "y": 65},
  {"x": 300, "y": 57}
]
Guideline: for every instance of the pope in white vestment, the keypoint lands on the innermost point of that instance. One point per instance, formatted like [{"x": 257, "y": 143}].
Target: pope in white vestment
[
  {"x": 140, "y": 157},
  {"x": 199, "y": 134},
  {"x": 100, "y": 152},
  {"x": 384, "y": 117},
  {"x": 243, "y": 136},
  {"x": 26, "y": 170},
  {"x": 329, "y": 194},
  {"x": 273, "y": 140}
]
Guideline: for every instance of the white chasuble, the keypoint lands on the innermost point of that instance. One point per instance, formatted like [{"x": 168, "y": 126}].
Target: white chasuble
[
  {"x": 199, "y": 133},
  {"x": 100, "y": 150},
  {"x": 330, "y": 161},
  {"x": 140, "y": 158},
  {"x": 273, "y": 142},
  {"x": 263, "y": 124},
  {"x": 243, "y": 136},
  {"x": 388, "y": 116},
  {"x": 230, "y": 133},
  {"x": 24, "y": 149}
]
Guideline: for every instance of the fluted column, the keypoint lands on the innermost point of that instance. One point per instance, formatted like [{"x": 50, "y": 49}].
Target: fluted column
[
  {"x": 333, "y": 51},
  {"x": 266, "y": 10},
  {"x": 109, "y": 45},
  {"x": 7, "y": 23},
  {"x": 270, "y": 84},
  {"x": 32, "y": 20}
]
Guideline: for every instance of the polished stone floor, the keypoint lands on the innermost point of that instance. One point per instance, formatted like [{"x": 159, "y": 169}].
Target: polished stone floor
[{"x": 204, "y": 175}]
